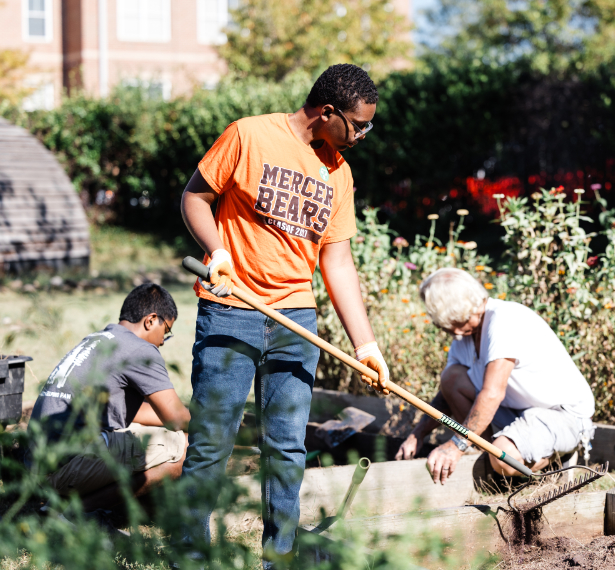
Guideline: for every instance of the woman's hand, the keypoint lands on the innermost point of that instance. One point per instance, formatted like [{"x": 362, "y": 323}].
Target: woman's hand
[{"x": 409, "y": 448}]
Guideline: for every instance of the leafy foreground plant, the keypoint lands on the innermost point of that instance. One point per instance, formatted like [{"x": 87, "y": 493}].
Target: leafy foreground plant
[
  {"x": 66, "y": 537},
  {"x": 40, "y": 529}
]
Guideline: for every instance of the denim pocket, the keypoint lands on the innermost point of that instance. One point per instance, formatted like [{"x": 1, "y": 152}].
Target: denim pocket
[{"x": 212, "y": 306}]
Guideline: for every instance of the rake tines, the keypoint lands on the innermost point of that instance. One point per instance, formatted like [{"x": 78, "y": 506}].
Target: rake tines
[{"x": 551, "y": 496}]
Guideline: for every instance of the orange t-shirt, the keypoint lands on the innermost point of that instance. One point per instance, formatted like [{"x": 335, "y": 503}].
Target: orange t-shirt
[{"x": 279, "y": 202}]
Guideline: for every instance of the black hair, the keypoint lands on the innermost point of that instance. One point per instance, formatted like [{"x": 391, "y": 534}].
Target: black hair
[
  {"x": 343, "y": 86},
  {"x": 145, "y": 299}
]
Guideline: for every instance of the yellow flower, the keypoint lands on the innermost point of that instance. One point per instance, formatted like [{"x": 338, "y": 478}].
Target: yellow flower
[
  {"x": 405, "y": 300},
  {"x": 502, "y": 296},
  {"x": 412, "y": 316},
  {"x": 608, "y": 306},
  {"x": 401, "y": 407},
  {"x": 562, "y": 272},
  {"x": 480, "y": 267},
  {"x": 611, "y": 403},
  {"x": 423, "y": 314},
  {"x": 408, "y": 383},
  {"x": 406, "y": 331},
  {"x": 489, "y": 286},
  {"x": 561, "y": 333},
  {"x": 429, "y": 244},
  {"x": 446, "y": 348},
  {"x": 384, "y": 291},
  {"x": 426, "y": 321}
]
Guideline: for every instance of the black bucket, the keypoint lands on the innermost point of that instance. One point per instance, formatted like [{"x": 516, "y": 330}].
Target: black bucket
[{"x": 12, "y": 374}]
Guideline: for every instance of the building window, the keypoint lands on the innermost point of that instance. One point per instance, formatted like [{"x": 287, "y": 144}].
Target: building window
[
  {"x": 36, "y": 20},
  {"x": 144, "y": 20},
  {"x": 212, "y": 17},
  {"x": 150, "y": 88}
]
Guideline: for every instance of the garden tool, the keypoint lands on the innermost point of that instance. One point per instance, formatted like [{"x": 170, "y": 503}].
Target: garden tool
[
  {"x": 357, "y": 478},
  {"x": 542, "y": 500},
  {"x": 200, "y": 270},
  {"x": 352, "y": 420}
]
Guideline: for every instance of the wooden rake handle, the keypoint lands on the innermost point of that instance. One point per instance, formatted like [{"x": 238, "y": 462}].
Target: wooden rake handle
[{"x": 202, "y": 271}]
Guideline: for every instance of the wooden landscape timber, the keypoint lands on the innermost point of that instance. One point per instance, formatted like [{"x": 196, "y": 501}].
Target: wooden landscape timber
[
  {"x": 579, "y": 516},
  {"x": 391, "y": 487}
]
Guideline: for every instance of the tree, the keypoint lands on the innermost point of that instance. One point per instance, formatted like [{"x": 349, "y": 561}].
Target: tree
[
  {"x": 13, "y": 65},
  {"x": 553, "y": 35},
  {"x": 272, "y": 38}
]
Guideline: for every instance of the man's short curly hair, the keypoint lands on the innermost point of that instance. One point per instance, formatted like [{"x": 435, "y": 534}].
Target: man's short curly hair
[{"x": 343, "y": 86}]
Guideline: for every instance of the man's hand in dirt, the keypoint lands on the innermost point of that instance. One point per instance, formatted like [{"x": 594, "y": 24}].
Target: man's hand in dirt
[
  {"x": 442, "y": 461},
  {"x": 409, "y": 448}
]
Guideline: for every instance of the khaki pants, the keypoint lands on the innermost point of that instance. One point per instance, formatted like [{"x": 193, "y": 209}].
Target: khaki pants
[{"x": 136, "y": 448}]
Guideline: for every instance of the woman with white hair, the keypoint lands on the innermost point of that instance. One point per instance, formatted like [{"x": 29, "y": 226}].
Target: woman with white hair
[{"x": 508, "y": 376}]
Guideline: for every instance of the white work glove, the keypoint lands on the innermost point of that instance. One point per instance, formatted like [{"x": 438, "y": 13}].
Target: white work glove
[
  {"x": 370, "y": 355},
  {"x": 221, "y": 274}
]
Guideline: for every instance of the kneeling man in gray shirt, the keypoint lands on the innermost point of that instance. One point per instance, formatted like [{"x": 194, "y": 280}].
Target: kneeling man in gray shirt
[{"x": 142, "y": 420}]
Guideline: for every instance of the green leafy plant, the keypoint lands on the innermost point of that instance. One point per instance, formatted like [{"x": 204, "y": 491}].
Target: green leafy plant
[{"x": 550, "y": 267}]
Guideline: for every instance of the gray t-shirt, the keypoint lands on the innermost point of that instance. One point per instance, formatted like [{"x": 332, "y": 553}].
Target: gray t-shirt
[{"x": 115, "y": 366}]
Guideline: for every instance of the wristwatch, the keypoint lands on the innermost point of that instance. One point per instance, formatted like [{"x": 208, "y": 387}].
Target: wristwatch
[{"x": 462, "y": 444}]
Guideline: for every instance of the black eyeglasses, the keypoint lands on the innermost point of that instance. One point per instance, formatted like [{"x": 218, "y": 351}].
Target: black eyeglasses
[
  {"x": 168, "y": 335},
  {"x": 358, "y": 131}
]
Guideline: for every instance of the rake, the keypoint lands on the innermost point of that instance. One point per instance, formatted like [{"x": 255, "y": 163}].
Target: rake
[
  {"x": 202, "y": 271},
  {"x": 542, "y": 500}
]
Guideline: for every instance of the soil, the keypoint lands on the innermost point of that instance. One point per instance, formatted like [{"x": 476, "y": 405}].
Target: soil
[
  {"x": 525, "y": 527},
  {"x": 560, "y": 553}
]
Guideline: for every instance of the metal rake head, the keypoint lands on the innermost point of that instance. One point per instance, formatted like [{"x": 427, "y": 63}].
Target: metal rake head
[{"x": 542, "y": 500}]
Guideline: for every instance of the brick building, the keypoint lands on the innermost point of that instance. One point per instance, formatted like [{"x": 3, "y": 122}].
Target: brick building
[{"x": 168, "y": 46}]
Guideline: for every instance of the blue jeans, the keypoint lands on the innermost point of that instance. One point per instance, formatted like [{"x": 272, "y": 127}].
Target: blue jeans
[{"x": 233, "y": 346}]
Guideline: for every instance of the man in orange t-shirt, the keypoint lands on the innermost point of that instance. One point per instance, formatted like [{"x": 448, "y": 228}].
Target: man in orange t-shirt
[{"x": 285, "y": 203}]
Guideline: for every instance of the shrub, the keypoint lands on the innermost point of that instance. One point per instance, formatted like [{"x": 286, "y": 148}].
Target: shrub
[
  {"x": 390, "y": 270},
  {"x": 550, "y": 267},
  {"x": 133, "y": 155}
]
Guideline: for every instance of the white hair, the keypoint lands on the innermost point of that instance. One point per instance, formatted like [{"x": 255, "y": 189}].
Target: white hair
[{"x": 452, "y": 296}]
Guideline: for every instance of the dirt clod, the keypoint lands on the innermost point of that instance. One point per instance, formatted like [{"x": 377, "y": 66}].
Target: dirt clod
[{"x": 576, "y": 560}]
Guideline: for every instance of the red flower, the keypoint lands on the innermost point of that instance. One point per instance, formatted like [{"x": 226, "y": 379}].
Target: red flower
[{"x": 592, "y": 261}]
